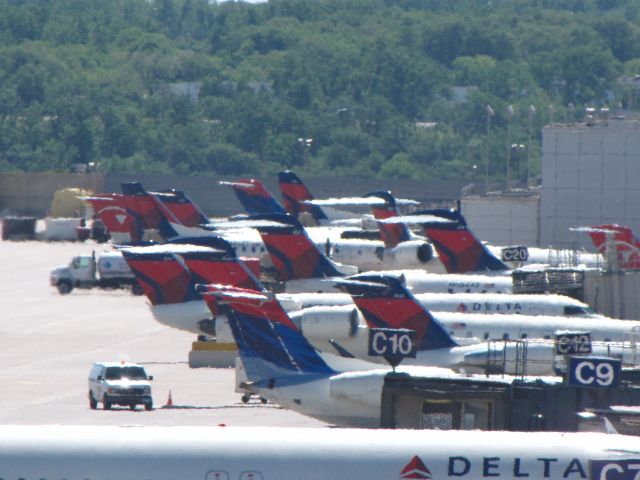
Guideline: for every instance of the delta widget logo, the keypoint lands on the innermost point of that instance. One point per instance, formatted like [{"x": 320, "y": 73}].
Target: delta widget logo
[{"x": 415, "y": 469}]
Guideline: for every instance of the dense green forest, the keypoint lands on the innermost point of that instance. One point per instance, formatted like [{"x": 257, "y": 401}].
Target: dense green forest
[{"x": 368, "y": 87}]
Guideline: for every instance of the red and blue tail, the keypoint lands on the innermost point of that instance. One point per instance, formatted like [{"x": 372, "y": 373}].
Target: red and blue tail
[
  {"x": 458, "y": 248},
  {"x": 219, "y": 267},
  {"x": 292, "y": 252},
  {"x": 391, "y": 233},
  {"x": 114, "y": 212},
  {"x": 163, "y": 276},
  {"x": 626, "y": 243},
  {"x": 254, "y": 197},
  {"x": 184, "y": 210},
  {"x": 272, "y": 349},
  {"x": 386, "y": 303},
  {"x": 142, "y": 205},
  {"x": 294, "y": 195}
]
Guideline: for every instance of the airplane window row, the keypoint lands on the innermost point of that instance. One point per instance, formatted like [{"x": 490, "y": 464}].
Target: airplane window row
[
  {"x": 336, "y": 251},
  {"x": 505, "y": 336},
  {"x": 253, "y": 249}
]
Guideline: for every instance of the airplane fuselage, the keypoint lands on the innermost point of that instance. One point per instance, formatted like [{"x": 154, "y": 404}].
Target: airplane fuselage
[{"x": 226, "y": 453}]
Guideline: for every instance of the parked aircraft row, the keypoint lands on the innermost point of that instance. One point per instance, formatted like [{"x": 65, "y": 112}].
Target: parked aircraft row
[
  {"x": 332, "y": 322},
  {"x": 307, "y": 350},
  {"x": 280, "y": 364},
  {"x": 172, "y": 214},
  {"x": 168, "y": 273}
]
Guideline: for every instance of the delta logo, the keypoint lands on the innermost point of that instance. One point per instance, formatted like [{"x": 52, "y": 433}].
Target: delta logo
[
  {"x": 415, "y": 469},
  {"x": 462, "y": 308}
]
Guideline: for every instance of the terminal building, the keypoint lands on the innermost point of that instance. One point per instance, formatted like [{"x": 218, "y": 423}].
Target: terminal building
[
  {"x": 509, "y": 403},
  {"x": 590, "y": 176}
]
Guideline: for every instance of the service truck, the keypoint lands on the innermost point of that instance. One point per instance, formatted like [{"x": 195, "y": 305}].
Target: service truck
[{"x": 103, "y": 270}]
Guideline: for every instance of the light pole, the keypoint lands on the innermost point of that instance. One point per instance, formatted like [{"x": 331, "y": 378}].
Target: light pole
[
  {"x": 509, "y": 115},
  {"x": 532, "y": 112},
  {"x": 517, "y": 150},
  {"x": 305, "y": 144},
  {"x": 490, "y": 113}
]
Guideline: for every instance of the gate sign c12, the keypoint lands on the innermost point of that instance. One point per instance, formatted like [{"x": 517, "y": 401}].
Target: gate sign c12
[
  {"x": 391, "y": 342},
  {"x": 573, "y": 343},
  {"x": 515, "y": 254},
  {"x": 595, "y": 372}
]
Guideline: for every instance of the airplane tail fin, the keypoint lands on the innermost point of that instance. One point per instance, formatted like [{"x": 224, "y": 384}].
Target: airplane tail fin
[
  {"x": 182, "y": 207},
  {"x": 295, "y": 193},
  {"x": 218, "y": 266},
  {"x": 391, "y": 233},
  {"x": 292, "y": 252},
  {"x": 385, "y": 302},
  {"x": 458, "y": 248},
  {"x": 141, "y": 205},
  {"x": 163, "y": 276},
  {"x": 113, "y": 211},
  {"x": 254, "y": 197},
  {"x": 269, "y": 344},
  {"x": 622, "y": 238}
]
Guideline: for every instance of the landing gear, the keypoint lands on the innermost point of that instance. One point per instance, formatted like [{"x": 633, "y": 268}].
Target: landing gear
[{"x": 247, "y": 396}]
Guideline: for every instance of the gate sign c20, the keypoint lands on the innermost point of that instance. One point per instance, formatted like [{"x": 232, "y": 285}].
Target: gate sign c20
[
  {"x": 573, "y": 343},
  {"x": 596, "y": 372},
  {"x": 391, "y": 342},
  {"x": 515, "y": 254}
]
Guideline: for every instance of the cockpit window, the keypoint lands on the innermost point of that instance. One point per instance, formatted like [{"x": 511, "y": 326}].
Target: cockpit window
[
  {"x": 574, "y": 311},
  {"x": 132, "y": 373}
]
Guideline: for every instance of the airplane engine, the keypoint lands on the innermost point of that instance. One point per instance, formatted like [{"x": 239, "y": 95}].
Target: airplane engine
[
  {"x": 365, "y": 389},
  {"x": 529, "y": 358},
  {"x": 412, "y": 253},
  {"x": 337, "y": 323}
]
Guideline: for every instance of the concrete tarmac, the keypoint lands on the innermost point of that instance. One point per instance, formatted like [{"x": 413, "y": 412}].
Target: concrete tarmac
[{"x": 48, "y": 342}]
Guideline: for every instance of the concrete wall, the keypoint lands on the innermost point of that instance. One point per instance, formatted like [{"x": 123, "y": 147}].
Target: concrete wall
[
  {"x": 590, "y": 175},
  {"x": 614, "y": 294},
  {"x": 31, "y": 194},
  {"x": 505, "y": 219}
]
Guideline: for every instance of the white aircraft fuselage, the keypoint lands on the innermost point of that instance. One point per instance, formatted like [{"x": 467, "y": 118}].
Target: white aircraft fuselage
[{"x": 228, "y": 453}]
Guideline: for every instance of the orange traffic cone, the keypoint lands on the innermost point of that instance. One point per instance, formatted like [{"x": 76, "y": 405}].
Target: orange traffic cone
[{"x": 169, "y": 401}]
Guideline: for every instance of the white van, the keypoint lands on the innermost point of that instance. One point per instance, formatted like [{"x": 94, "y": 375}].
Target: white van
[{"x": 121, "y": 383}]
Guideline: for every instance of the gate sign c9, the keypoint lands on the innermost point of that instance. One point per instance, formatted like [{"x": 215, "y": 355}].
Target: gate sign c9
[
  {"x": 391, "y": 342},
  {"x": 573, "y": 343},
  {"x": 596, "y": 372},
  {"x": 515, "y": 254}
]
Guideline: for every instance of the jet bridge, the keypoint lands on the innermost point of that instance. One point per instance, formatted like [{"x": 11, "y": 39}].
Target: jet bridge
[{"x": 508, "y": 403}]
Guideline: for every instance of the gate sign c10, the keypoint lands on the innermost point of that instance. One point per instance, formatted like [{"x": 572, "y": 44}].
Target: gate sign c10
[
  {"x": 596, "y": 372},
  {"x": 515, "y": 254},
  {"x": 392, "y": 344},
  {"x": 573, "y": 343}
]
